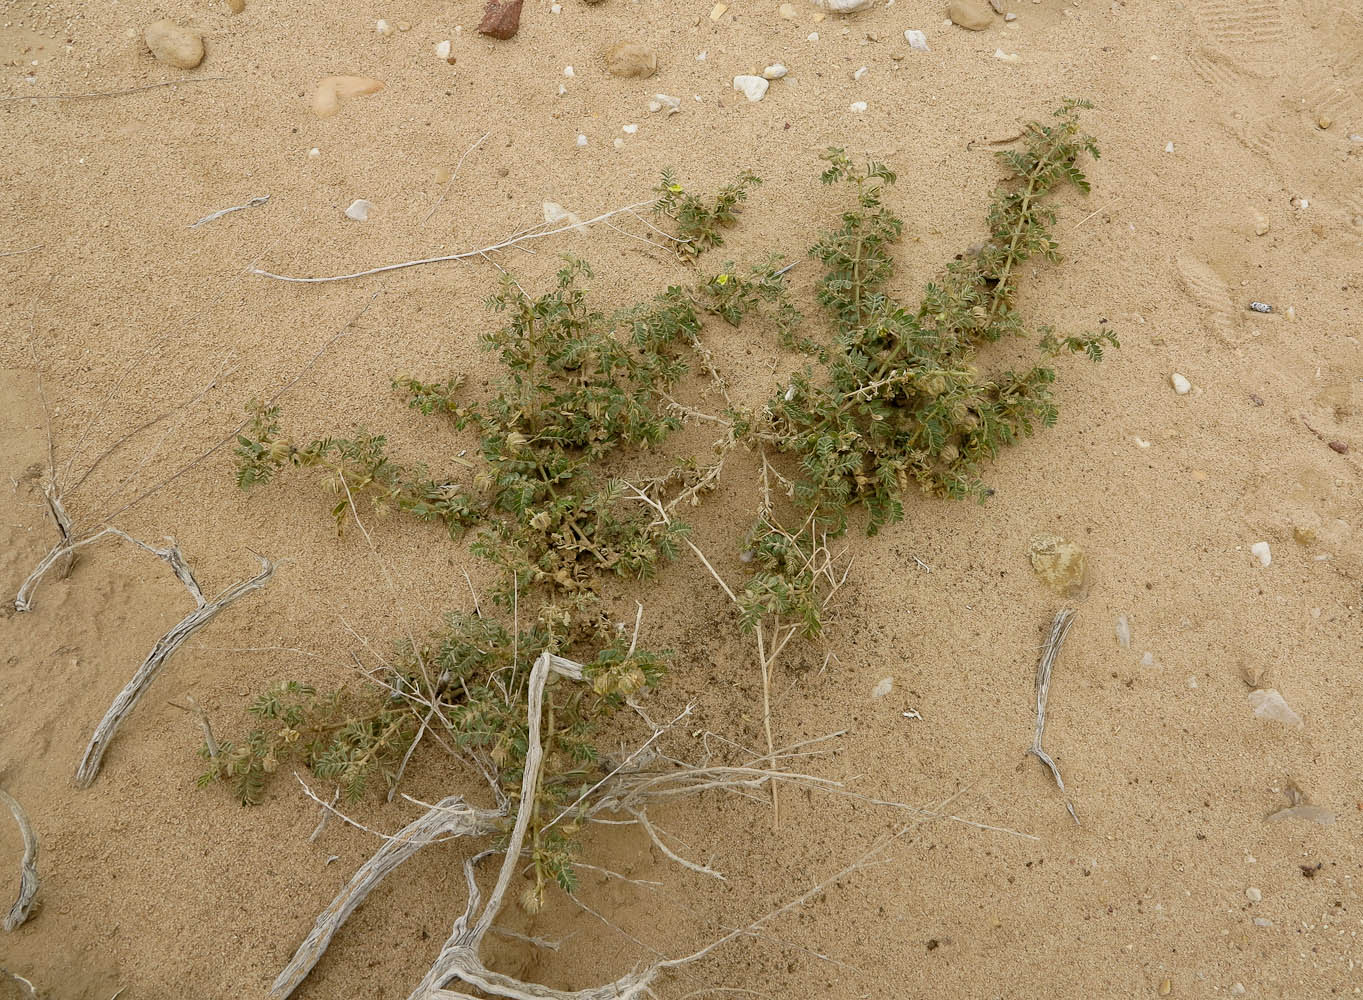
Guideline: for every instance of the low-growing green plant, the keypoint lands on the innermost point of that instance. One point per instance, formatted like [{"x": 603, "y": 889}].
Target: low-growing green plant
[
  {"x": 700, "y": 223},
  {"x": 558, "y": 499},
  {"x": 900, "y": 398},
  {"x": 340, "y": 736}
]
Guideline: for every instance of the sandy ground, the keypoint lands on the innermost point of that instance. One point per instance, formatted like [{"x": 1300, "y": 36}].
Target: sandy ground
[{"x": 1209, "y": 113}]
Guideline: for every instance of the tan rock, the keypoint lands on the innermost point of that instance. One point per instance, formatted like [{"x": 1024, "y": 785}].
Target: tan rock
[
  {"x": 1059, "y": 564},
  {"x": 174, "y": 45},
  {"x": 631, "y": 59},
  {"x": 972, "y": 14},
  {"x": 331, "y": 90}
]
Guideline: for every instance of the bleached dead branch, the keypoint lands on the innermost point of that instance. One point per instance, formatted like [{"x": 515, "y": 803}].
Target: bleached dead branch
[
  {"x": 28, "y": 865},
  {"x": 151, "y": 667}
]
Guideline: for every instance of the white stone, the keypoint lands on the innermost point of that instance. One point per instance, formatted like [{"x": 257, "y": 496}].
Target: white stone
[
  {"x": 1261, "y": 551},
  {"x": 917, "y": 40},
  {"x": 1123, "y": 631},
  {"x": 568, "y": 71},
  {"x": 857, "y": 107},
  {"x": 1181, "y": 385},
  {"x": 581, "y": 139},
  {"x": 843, "y": 6},
  {"x": 1169, "y": 147},
  {"x": 701, "y": 55},
  {"x": 1253, "y": 894},
  {"x": 1009, "y": 57},
  {"x": 859, "y": 74},
  {"x": 813, "y": 36},
  {"x": 883, "y": 687},
  {"x": 383, "y": 27},
  {"x": 774, "y": 72},
  {"x": 442, "y": 49},
  {"x": 359, "y": 210},
  {"x": 629, "y": 129},
  {"x": 1238, "y": 990},
  {"x": 1148, "y": 659},
  {"x": 556, "y": 8},
  {"x": 754, "y": 88},
  {"x": 1272, "y": 706},
  {"x": 618, "y": 143},
  {"x": 665, "y": 102}
]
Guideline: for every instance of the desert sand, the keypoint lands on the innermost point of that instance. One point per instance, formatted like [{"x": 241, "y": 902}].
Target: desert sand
[{"x": 1232, "y": 172}]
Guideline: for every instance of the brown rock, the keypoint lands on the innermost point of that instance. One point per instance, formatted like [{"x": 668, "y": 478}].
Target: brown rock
[
  {"x": 174, "y": 45},
  {"x": 236, "y": 6},
  {"x": 972, "y": 14},
  {"x": 631, "y": 59},
  {"x": 502, "y": 19},
  {"x": 1340, "y": 446}
]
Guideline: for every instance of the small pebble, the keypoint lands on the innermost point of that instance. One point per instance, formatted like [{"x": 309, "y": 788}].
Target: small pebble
[
  {"x": 618, "y": 143},
  {"x": 1261, "y": 551},
  {"x": 1253, "y": 894},
  {"x": 1059, "y": 564},
  {"x": 174, "y": 45},
  {"x": 501, "y": 19},
  {"x": 1169, "y": 147},
  {"x": 1260, "y": 307},
  {"x": 629, "y": 129},
  {"x": 1260, "y": 224},
  {"x": 917, "y": 40},
  {"x": 631, "y": 60},
  {"x": 326, "y": 99},
  {"x": 883, "y": 687},
  {"x": 568, "y": 71},
  {"x": 1008, "y": 57},
  {"x": 1123, "y": 630},
  {"x": 1148, "y": 659},
  {"x": 1339, "y": 447},
  {"x": 717, "y": 11},
  {"x": 1181, "y": 385},
  {"x": 383, "y": 27},
  {"x": 1262, "y": 922},
  {"x": 973, "y": 15},
  {"x": 1238, "y": 990},
  {"x": 404, "y": 26},
  {"x": 787, "y": 10},
  {"x": 857, "y": 107},
  {"x": 442, "y": 49},
  {"x": 236, "y": 6},
  {"x": 813, "y": 36},
  {"x": 774, "y": 72},
  {"x": 581, "y": 139},
  {"x": 1271, "y": 705},
  {"x": 860, "y": 74},
  {"x": 359, "y": 210},
  {"x": 754, "y": 88},
  {"x": 1010, "y": 16}
]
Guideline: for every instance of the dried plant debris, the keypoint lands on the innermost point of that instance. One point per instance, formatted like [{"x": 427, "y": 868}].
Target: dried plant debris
[
  {"x": 1060, "y": 628},
  {"x": 28, "y": 865}
]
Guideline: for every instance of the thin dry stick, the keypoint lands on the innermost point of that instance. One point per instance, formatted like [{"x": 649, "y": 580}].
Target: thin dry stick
[
  {"x": 231, "y": 435},
  {"x": 453, "y": 177},
  {"x": 151, "y": 667},
  {"x": 28, "y": 865},
  {"x": 1060, "y": 628},
  {"x": 211, "y": 216},
  {"x": 196, "y": 710},
  {"x": 465, "y": 255},
  {"x": 110, "y": 93}
]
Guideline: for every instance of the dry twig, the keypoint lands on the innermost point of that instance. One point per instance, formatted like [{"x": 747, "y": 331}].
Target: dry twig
[
  {"x": 151, "y": 667},
  {"x": 28, "y": 865},
  {"x": 110, "y": 93},
  {"x": 1060, "y": 628},
  {"x": 514, "y": 241}
]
